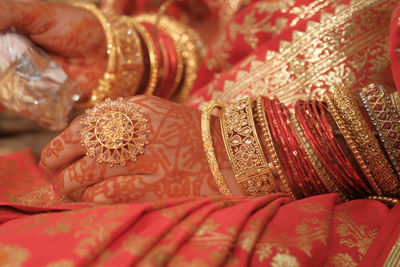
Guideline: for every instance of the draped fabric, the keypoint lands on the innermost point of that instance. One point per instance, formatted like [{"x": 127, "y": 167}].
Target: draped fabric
[
  {"x": 293, "y": 49},
  {"x": 269, "y": 230}
]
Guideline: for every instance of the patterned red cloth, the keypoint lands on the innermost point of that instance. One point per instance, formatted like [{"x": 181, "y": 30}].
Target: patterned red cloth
[{"x": 269, "y": 230}]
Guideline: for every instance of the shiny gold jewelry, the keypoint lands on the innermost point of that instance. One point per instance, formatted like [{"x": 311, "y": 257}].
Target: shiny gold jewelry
[
  {"x": 154, "y": 63},
  {"x": 130, "y": 56},
  {"x": 244, "y": 149},
  {"x": 190, "y": 46},
  {"x": 347, "y": 135},
  {"x": 396, "y": 101},
  {"x": 114, "y": 132},
  {"x": 375, "y": 166},
  {"x": 276, "y": 167},
  {"x": 389, "y": 201},
  {"x": 315, "y": 162},
  {"x": 209, "y": 148},
  {"x": 385, "y": 119},
  {"x": 168, "y": 27},
  {"x": 107, "y": 81}
]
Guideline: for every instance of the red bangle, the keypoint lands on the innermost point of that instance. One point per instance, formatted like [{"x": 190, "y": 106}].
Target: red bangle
[
  {"x": 153, "y": 84},
  {"x": 360, "y": 181},
  {"x": 324, "y": 150},
  {"x": 299, "y": 187},
  {"x": 169, "y": 69},
  {"x": 323, "y": 142},
  {"x": 305, "y": 170},
  {"x": 280, "y": 147}
]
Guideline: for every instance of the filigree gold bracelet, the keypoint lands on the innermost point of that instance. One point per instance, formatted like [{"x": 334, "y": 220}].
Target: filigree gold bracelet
[
  {"x": 374, "y": 164},
  {"x": 209, "y": 148},
  {"x": 385, "y": 119},
  {"x": 244, "y": 149}
]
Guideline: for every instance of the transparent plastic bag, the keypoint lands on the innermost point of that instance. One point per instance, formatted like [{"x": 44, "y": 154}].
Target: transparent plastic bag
[{"x": 32, "y": 84}]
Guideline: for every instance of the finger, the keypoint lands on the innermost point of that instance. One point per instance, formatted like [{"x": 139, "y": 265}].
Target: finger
[
  {"x": 62, "y": 150},
  {"x": 87, "y": 171},
  {"x": 122, "y": 189}
]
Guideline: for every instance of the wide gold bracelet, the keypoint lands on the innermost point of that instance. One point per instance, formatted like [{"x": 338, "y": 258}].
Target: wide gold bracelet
[
  {"x": 130, "y": 67},
  {"x": 107, "y": 81},
  {"x": 385, "y": 119},
  {"x": 276, "y": 167},
  {"x": 244, "y": 150},
  {"x": 209, "y": 147},
  {"x": 395, "y": 98},
  {"x": 374, "y": 164},
  {"x": 190, "y": 46},
  {"x": 319, "y": 168}
]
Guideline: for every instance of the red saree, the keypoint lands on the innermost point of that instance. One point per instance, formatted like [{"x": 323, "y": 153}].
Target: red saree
[
  {"x": 269, "y": 230},
  {"x": 290, "y": 48}
]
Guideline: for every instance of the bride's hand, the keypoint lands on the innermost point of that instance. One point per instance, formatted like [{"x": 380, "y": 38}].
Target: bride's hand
[
  {"x": 173, "y": 163},
  {"x": 72, "y": 36}
]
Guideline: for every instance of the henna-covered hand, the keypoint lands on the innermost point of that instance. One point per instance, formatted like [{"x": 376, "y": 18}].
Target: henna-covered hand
[
  {"x": 72, "y": 36},
  {"x": 173, "y": 164}
]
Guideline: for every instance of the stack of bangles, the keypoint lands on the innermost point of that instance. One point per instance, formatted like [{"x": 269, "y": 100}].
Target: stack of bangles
[
  {"x": 322, "y": 147},
  {"x": 147, "y": 54}
]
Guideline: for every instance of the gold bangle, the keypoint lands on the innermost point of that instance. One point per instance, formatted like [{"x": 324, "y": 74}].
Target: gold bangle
[
  {"x": 244, "y": 149},
  {"x": 105, "y": 86},
  {"x": 389, "y": 201},
  {"x": 395, "y": 98},
  {"x": 154, "y": 64},
  {"x": 169, "y": 28},
  {"x": 315, "y": 162},
  {"x": 277, "y": 168},
  {"x": 385, "y": 119},
  {"x": 209, "y": 148},
  {"x": 130, "y": 60},
  {"x": 190, "y": 45},
  {"x": 373, "y": 164}
]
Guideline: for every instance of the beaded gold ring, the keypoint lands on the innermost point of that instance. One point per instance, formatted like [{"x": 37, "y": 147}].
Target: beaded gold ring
[{"x": 114, "y": 132}]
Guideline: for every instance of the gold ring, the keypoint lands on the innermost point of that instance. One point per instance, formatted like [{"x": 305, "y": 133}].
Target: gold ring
[{"x": 114, "y": 132}]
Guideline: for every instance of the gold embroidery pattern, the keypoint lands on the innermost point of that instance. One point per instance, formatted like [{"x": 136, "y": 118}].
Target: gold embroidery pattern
[
  {"x": 283, "y": 260},
  {"x": 41, "y": 196},
  {"x": 308, "y": 231},
  {"x": 12, "y": 255},
  {"x": 207, "y": 235},
  {"x": 61, "y": 263},
  {"x": 342, "y": 259},
  {"x": 354, "y": 235},
  {"x": 342, "y": 49},
  {"x": 249, "y": 28},
  {"x": 393, "y": 258}
]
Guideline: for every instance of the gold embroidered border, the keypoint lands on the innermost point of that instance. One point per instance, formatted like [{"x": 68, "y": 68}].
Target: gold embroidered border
[{"x": 334, "y": 52}]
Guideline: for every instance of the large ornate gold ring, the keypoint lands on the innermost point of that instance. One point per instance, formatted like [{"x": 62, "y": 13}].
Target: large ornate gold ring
[{"x": 114, "y": 132}]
